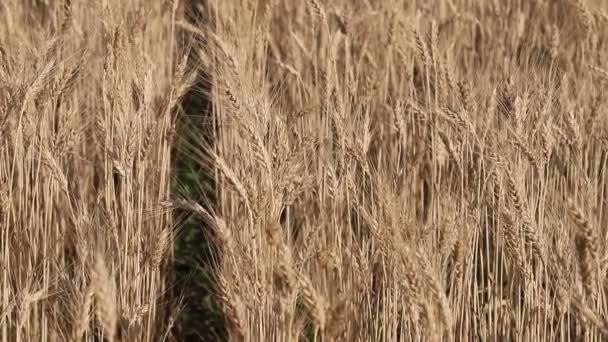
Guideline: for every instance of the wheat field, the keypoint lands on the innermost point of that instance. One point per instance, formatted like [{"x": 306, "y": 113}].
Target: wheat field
[{"x": 381, "y": 170}]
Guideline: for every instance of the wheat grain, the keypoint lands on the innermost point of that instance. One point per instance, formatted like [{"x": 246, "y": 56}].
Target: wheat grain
[{"x": 105, "y": 298}]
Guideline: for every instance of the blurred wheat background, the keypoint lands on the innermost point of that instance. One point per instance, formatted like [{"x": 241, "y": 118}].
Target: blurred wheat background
[{"x": 318, "y": 170}]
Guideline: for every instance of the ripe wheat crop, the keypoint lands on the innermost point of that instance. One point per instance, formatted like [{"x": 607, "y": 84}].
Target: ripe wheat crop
[
  {"x": 88, "y": 102},
  {"x": 382, "y": 170}
]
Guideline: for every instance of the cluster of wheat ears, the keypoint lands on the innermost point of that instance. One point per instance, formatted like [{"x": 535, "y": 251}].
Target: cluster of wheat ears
[{"x": 384, "y": 170}]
